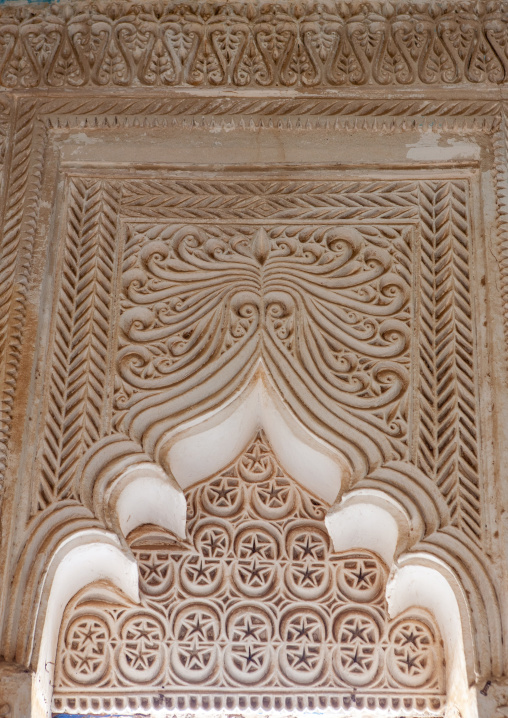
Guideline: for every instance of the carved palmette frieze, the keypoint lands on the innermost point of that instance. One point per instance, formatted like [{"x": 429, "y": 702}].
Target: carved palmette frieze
[
  {"x": 254, "y": 606},
  {"x": 344, "y": 283},
  {"x": 248, "y": 45}
]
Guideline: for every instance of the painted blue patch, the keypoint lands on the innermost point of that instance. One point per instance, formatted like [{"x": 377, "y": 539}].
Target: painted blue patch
[{"x": 28, "y": 2}]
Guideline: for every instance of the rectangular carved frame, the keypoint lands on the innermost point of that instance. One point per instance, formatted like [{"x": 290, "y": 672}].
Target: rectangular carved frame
[{"x": 31, "y": 165}]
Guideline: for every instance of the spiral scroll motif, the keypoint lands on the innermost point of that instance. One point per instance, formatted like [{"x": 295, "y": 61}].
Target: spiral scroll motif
[
  {"x": 255, "y": 603},
  {"x": 331, "y": 302}
]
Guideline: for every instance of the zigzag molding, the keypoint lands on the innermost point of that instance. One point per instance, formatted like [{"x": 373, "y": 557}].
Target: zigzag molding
[{"x": 245, "y": 45}]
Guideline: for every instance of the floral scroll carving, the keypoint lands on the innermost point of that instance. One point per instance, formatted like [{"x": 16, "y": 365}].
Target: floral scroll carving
[
  {"x": 246, "y": 45},
  {"x": 316, "y": 277},
  {"x": 333, "y": 299},
  {"x": 254, "y": 606}
]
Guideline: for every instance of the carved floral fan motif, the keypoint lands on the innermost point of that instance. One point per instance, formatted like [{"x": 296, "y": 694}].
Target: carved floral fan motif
[
  {"x": 331, "y": 300},
  {"x": 254, "y": 610}
]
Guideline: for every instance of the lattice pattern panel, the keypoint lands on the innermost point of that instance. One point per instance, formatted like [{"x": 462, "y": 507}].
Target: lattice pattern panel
[{"x": 253, "y": 610}]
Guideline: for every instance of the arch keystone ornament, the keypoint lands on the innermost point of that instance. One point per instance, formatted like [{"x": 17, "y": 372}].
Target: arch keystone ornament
[{"x": 253, "y": 330}]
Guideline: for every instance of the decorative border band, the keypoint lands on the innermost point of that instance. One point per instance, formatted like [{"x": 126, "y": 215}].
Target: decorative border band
[{"x": 247, "y": 45}]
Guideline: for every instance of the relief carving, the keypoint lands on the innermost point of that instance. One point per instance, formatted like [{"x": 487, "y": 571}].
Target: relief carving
[
  {"x": 333, "y": 301},
  {"x": 395, "y": 349},
  {"x": 254, "y": 606},
  {"x": 340, "y": 283},
  {"x": 246, "y": 45}
]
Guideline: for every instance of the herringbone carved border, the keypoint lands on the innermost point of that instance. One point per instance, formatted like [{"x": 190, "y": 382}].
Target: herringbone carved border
[
  {"x": 16, "y": 248},
  {"x": 75, "y": 416},
  {"x": 447, "y": 442}
]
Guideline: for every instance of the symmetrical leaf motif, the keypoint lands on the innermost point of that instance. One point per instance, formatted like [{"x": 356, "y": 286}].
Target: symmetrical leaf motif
[
  {"x": 75, "y": 416},
  {"x": 447, "y": 443},
  {"x": 249, "y": 45},
  {"x": 163, "y": 335},
  {"x": 330, "y": 303}
]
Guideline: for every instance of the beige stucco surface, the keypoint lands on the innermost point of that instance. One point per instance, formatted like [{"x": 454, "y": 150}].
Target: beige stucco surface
[{"x": 225, "y": 219}]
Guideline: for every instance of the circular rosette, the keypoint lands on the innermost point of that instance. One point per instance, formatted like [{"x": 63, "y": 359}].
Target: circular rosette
[
  {"x": 360, "y": 579},
  {"x": 274, "y": 498},
  {"x": 307, "y": 543},
  {"x": 357, "y": 655},
  {"x": 212, "y": 541},
  {"x": 141, "y": 653},
  {"x": 201, "y": 576},
  {"x": 308, "y": 573},
  {"x": 255, "y": 570},
  {"x": 256, "y": 464},
  {"x": 86, "y": 649},
  {"x": 194, "y": 654},
  {"x": 411, "y": 656},
  {"x": 302, "y": 655},
  {"x": 248, "y": 657},
  {"x": 156, "y": 571},
  {"x": 223, "y": 496}
]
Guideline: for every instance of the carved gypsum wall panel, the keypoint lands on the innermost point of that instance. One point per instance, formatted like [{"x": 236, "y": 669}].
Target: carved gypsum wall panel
[
  {"x": 343, "y": 282},
  {"x": 333, "y": 300},
  {"x": 33, "y": 118},
  {"x": 253, "y": 610},
  {"x": 244, "y": 45}
]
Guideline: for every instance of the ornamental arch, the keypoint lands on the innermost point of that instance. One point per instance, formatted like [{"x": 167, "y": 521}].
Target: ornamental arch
[{"x": 265, "y": 233}]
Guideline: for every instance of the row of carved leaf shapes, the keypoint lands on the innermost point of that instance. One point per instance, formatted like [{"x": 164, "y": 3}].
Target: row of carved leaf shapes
[{"x": 459, "y": 42}]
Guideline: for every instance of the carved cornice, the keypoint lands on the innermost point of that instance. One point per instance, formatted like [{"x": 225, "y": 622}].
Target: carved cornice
[{"x": 250, "y": 45}]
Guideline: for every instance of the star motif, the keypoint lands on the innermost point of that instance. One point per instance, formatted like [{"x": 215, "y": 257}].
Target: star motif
[
  {"x": 154, "y": 570},
  {"x": 255, "y": 460},
  {"x": 309, "y": 576},
  {"x": 222, "y": 493},
  {"x": 357, "y": 633},
  {"x": 251, "y": 658},
  {"x": 307, "y": 546}
]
